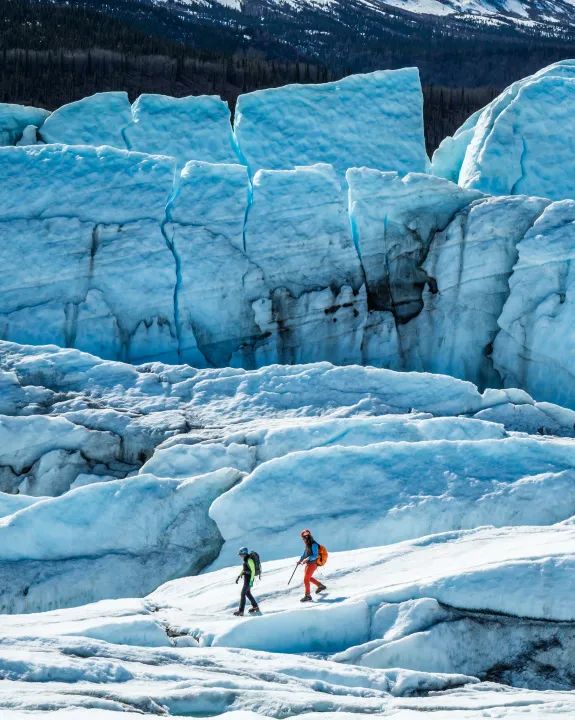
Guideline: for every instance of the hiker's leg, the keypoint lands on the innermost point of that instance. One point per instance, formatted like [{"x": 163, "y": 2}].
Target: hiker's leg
[
  {"x": 250, "y": 597},
  {"x": 245, "y": 592},
  {"x": 311, "y": 577},
  {"x": 310, "y": 568}
]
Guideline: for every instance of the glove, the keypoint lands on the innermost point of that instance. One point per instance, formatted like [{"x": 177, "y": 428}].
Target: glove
[{"x": 238, "y": 579}]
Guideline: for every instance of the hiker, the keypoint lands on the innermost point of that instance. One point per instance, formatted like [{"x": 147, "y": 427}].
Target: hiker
[
  {"x": 310, "y": 558},
  {"x": 249, "y": 574}
]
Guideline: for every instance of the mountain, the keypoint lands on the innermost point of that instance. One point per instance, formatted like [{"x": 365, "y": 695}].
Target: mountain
[
  {"x": 545, "y": 13},
  {"x": 453, "y": 42}
]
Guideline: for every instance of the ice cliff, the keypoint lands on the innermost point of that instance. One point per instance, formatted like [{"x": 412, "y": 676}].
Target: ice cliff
[
  {"x": 249, "y": 254},
  {"x": 521, "y": 143}
]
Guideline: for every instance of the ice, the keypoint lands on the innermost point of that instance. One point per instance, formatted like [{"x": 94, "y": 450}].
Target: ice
[
  {"x": 96, "y": 213},
  {"x": 150, "y": 263},
  {"x": 206, "y": 230},
  {"x": 418, "y": 489},
  {"x": 95, "y": 120},
  {"x": 450, "y": 591},
  {"x": 469, "y": 615},
  {"x": 188, "y": 128},
  {"x": 449, "y": 156},
  {"x": 374, "y": 120},
  {"x": 471, "y": 262},
  {"x": 444, "y": 261},
  {"x": 520, "y": 143},
  {"x": 192, "y": 435},
  {"x": 14, "y": 120},
  {"x": 394, "y": 221},
  {"x": 44, "y": 455},
  {"x": 315, "y": 304},
  {"x": 111, "y": 539},
  {"x": 536, "y": 341}
]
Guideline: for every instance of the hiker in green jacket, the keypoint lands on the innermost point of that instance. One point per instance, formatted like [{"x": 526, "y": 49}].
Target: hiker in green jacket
[{"x": 248, "y": 573}]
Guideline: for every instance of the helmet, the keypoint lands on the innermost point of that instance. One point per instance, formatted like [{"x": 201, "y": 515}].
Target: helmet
[
  {"x": 305, "y": 532},
  {"x": 243, "y": 551}
]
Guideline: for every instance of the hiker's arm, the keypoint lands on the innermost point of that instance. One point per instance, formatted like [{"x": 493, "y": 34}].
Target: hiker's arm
[{"x": 314, "y": 553}]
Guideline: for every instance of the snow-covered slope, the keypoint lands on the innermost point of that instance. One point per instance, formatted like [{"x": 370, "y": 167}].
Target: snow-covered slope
[{"x": 545, "y": 13}]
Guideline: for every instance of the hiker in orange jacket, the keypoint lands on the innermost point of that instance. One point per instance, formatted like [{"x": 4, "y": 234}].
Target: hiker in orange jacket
[{"x": 309, "y": 559}]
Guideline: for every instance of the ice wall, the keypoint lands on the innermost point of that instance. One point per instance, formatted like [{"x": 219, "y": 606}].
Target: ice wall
[
  {"x": 374, "y": 120},
  {"x": 14, "y": 119},
  {"x": 189, "y": 128},
  {"x": 444, "y": 260},
  {"x": 141, "y": 257},
  {"x": 88, "y": 262},
  {"x": 521, "y": 143}
]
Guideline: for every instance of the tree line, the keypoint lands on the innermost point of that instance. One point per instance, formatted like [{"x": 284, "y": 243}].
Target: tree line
[{"x": 52, "y": 54}]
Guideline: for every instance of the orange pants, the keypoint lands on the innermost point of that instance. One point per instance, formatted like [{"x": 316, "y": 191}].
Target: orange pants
[{"x": 308, "y": 578}]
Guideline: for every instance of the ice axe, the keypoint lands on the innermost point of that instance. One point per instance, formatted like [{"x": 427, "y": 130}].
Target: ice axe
[{"x": 293, "y": 573}]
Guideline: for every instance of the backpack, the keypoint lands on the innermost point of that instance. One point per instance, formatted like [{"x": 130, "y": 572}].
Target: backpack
[
  {"x": 257, "y": 562},
  {"x": 321, "y": 555}
]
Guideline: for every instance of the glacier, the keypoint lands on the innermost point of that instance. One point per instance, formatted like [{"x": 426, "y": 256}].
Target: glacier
[
  {"x": 409, "y": 273},
  {"x": 281, "y": 128},
  {"x": 367, "y": 265},
  {"x": 448, "y": 574},
  {"x": 520, "y": 143},
  {"x": 213, "y": 336}
]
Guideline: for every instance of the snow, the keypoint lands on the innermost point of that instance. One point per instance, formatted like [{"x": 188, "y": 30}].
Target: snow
[
  {"x": 174, "y": 441},
  {"x": 449, "y": 572},
  {"x": 109, "y": 539},
  {"x": 374, "y": 120},
  {"x": 180, "y": 650},
  {"x": 14, "y": 119},
  {"x": 520, "y": 143}
]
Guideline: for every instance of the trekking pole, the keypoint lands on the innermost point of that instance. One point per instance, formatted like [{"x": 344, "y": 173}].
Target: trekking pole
[{"x": 293, "y": 573}]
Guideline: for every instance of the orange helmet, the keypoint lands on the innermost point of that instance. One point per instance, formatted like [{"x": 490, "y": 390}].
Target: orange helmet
[{"x": 305, "y": 532}]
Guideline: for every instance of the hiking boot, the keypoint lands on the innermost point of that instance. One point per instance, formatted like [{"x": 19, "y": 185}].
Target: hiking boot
[
  {"x": 239, "y": 613},
  {"x": 320, "y": 588},
  {"x": 254, "y": 610},
  {"x": 306, "y": 598}
]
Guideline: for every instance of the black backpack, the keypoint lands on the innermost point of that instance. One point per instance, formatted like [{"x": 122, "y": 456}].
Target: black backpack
[{"x": 257, "y": 562}]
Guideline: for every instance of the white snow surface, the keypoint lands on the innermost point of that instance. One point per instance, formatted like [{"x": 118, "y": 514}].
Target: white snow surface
[
  {"x": 199, "y": 453},
  {"x": 450, "y": 554}
]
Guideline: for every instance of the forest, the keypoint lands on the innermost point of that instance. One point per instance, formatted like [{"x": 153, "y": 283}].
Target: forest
[{"x": 53, "y": 53}]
